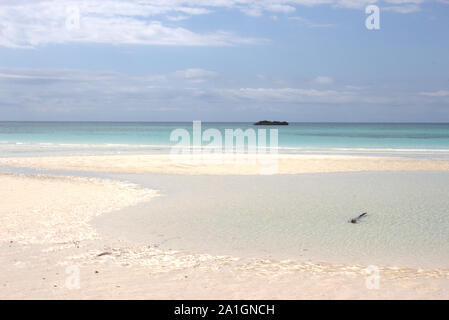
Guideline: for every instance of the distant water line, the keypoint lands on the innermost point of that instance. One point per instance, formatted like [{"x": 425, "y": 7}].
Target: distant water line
[{"x": 53, "y": 138}]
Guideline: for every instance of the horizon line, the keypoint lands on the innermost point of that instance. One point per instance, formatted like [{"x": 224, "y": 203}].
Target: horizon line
[{"x": 245, "y": 122}]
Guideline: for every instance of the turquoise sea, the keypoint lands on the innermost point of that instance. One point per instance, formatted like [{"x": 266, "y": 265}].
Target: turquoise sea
[
  {"x": 303, "y": 217},
  {"x": 37, "y": 138}
]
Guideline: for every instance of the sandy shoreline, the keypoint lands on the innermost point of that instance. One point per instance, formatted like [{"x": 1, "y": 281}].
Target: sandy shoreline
[
  {"x": 45, "y": 229},
  {"x": 226, "y": 165},
  {"x": 45, "y": 209}
]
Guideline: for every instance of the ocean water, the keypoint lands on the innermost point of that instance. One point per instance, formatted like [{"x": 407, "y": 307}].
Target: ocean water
[
  {"x": 40, "y": 138},
  {"x": 301, "y": 217}
]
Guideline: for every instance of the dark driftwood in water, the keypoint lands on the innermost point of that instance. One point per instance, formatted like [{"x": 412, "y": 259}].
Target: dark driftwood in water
[
  {"x": 355, "y": 220},
  {"x": 271, "y": 123},
  {"x": 104, "y": 254}
]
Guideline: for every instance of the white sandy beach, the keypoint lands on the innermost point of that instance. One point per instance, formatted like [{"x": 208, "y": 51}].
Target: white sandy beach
[
  {"x": 44, "y": 228},
  {"x": 226, "y": 165}
]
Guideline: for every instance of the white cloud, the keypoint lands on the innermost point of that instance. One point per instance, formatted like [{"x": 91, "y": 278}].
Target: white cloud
[
  {"x": 354, "y": 4},
  {"x": 289, "y": 95},
  {"x": 277, "y": 7},
  {"x": 30, "y": 23},
  {"x": 406, "y": 1},
  {"x": 308, "y": 23},
  {"x": 334, "y": 97},
  {"x": 177, "y": 18},
  {"x": 196, "y": 75},
  {"x": 323, "y": 80},
  {"x": 440, "y": 93},
  {"x": 79, "y": 94},
  {"x": 403, "y": 9}
]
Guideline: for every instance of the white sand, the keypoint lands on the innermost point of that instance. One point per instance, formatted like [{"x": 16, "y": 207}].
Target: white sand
[
  {"x": 49, "y": 209},
  {"x": 44, "y": 228},
  {"x": 282, "y": 163},
  {"x": 125, "y": 271}
]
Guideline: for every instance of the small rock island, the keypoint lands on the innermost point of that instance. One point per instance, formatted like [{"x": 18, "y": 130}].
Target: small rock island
[{"x": 271, "y": 123}]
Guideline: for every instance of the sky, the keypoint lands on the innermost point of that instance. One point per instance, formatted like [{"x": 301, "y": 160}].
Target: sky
[{"x": 224, "y": 60}]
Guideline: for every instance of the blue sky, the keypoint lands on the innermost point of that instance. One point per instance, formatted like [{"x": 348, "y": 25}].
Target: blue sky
[{"x": 224, "y": 60}]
